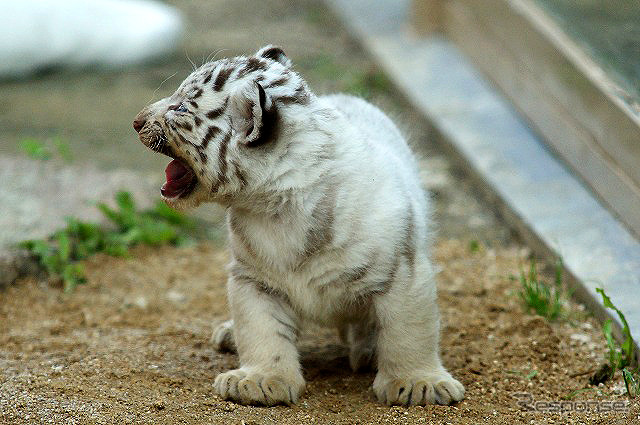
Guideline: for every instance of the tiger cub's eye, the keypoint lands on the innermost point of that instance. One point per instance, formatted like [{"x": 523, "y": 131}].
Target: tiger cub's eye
[{"x": 178, "y": 108}]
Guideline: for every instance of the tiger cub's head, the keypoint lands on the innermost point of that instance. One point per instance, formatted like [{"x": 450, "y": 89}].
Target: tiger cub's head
[{"x": 222, "y": 125}]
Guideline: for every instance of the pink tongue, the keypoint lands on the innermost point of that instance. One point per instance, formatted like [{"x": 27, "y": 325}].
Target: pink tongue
[
  {"x": 175, "y": 170},
  {"x": 178, "y": 176}
]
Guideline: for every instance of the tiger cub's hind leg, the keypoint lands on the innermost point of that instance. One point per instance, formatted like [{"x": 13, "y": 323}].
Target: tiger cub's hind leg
[
  {"x": 361, "y": 340},
  {"x": 222, "y": 338}
]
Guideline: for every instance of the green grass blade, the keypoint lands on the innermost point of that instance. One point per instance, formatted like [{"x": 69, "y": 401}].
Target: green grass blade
[{"x": 627, "y": 345}]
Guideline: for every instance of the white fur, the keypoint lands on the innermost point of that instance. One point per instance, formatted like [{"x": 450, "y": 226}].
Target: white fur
[{"x": 330, "y": 226}]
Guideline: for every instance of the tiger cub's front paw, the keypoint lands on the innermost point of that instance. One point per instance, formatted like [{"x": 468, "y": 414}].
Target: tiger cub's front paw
[
  {"x": 428, "y": 388},
  {"x": 248, "y": 387}
]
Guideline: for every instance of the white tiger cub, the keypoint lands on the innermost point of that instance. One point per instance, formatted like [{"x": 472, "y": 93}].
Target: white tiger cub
[{"x": 327, "y": 223}]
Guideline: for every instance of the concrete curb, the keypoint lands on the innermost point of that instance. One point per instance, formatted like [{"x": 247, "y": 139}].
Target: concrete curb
[{"x": 535, "y": 193}]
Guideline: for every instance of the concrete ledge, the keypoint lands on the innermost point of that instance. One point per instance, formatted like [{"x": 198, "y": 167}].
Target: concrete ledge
[{"x": 552, "y": 210}]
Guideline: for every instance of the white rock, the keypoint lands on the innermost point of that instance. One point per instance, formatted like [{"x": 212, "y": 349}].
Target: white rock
[
  {"x": 176, "y": 297},
  {"x": 141, "y": 302},
  {"x": 585, "y": 339}
]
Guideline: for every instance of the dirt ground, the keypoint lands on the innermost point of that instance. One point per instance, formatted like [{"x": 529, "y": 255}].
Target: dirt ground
[{"x": 132, "y": 346}]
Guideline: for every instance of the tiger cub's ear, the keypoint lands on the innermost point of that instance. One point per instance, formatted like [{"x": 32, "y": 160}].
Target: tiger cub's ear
[
  {"x": 253, "y": 114},
  {"x": 274, "y": 53}
]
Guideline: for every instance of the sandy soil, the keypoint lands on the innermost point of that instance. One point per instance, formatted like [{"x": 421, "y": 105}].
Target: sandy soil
[{"x": 132, "y": 346}]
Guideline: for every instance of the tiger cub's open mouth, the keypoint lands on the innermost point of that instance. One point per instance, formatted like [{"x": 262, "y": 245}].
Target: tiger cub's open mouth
[{"x": 181, "y": 180}]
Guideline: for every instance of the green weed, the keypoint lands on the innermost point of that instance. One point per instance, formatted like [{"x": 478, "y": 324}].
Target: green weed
[
  {"x": 37, "y": 149},
  {"x": 544, "y": 299},
  {"x": 529, "y": 375},
  {"x": 474, "y": 246},
  {"x": 364, "y": 83},
  {"x": 322, "y": 66},
  {"x": 621, "y": 356},
  {"x": 60, "y": 254},
  {"x": 631, "y": 381},
  {"x": 63, "y": 149},
  {"x": 532, "y": 374},
  {"x": 573, "y": 394}
]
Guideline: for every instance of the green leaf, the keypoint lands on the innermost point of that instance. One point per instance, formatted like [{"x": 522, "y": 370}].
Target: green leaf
[
  {"x": 611, "y": 343},
  {"x": 162, "y": 210},
  {"x": 88, "y": 237},
  {"x": 474, "y": 246},
  {"x": 117, "y": 249},
  {"x": 64, "y": 246},
  {"x": 157, "y": 232},
  {"x": 38, "y": 247},
  {"x": 125, "y": 202},
  {"x": 628, "y": 382},
  {"x": 35, "y": 149},
  {"x": 52, "y": 263},
  {"x": 627, "y": 345},
  {"x": 605, "y": 298},
  {"x": 63, "y": 149},
  {"x": 72, "y": 275},
  {"x": 559, "y": 270},
  {"x": 109, "y": 213},
  {"x": 117, "y": 244},
  {"x": 572, "y": 394},
  {"x": 131, "y": 237},
  {"x": 533, "y": 274}
]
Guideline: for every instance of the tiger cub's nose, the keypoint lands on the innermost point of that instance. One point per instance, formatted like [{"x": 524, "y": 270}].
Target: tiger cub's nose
[{"x": 138, "y": 123}]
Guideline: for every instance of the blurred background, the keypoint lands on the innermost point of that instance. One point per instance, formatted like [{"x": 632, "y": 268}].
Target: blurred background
[
  {"x": 91, "y": 108},
  {"x": 74, "y": 74},
  {"x": 78, "y": 72},
  {"x": 609, "y": 31}
]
